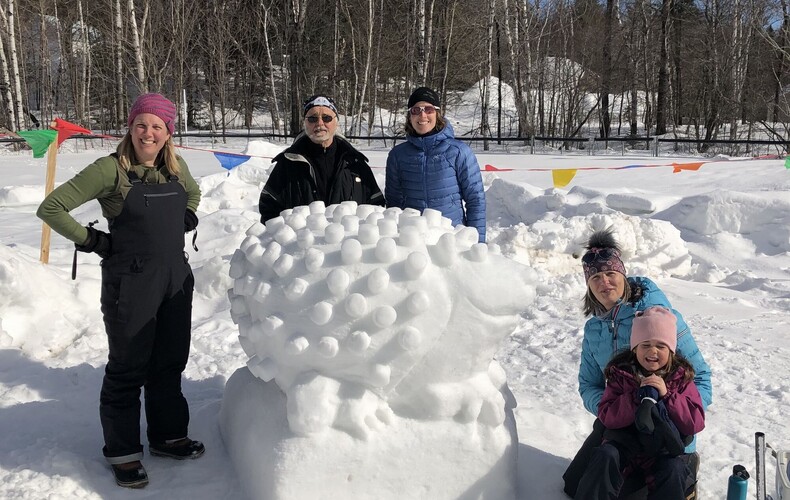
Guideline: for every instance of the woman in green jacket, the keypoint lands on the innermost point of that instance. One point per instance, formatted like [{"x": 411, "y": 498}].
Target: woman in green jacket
[{"x": 149, "y": 199}]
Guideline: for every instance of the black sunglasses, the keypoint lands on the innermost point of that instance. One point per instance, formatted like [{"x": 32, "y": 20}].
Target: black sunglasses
[
  {"x": 599, "y": 253},
  {"x": 324, "y": 118}
]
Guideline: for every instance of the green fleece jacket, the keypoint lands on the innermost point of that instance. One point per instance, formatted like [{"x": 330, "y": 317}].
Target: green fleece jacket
[{"x": 105, "y": 181}]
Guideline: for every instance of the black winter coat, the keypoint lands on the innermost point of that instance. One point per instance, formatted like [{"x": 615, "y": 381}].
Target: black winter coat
[{"x": 292, "y": 181}]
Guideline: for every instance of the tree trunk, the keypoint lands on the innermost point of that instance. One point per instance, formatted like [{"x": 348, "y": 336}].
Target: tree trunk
[
  {"x": 19, "y": 113},
  {"x": 487, "y": 73},
  {"x": 368, "y": 64},
  {"x": 606, "y": 69},
  {"x": 8, "y": 98},
  {"x": 119, "y": 90},
  {"x": 663, "y": 69},
  {"x": 420, "y": 57},
  {"x": 272, "y": 89},
  {"x": 142, "y": 82},
  {"x": 780, "y": 66},
  {"x": 513, "y": 43},
  {"x": 295, "y": 36},
  {"x": 449, "y": 13}
]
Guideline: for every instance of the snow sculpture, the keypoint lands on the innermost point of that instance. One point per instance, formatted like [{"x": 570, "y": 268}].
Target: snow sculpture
[{"x": 378, "y": 327}]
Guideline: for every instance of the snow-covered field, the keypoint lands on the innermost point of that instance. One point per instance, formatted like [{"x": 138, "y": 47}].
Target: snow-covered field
[{"x": 716, "y": 240}]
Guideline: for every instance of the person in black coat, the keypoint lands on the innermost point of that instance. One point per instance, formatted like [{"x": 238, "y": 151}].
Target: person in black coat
[{"x": 319, "y": 166}]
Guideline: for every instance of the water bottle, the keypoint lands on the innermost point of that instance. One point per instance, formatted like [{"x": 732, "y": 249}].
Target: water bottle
[{"x": 736, "y": 489}]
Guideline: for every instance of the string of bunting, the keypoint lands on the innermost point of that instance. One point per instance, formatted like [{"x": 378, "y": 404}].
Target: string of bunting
[{"x": 39, "y": 141}]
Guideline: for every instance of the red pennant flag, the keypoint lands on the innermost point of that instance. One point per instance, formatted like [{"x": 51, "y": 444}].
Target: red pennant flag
[
  {"x": 491, "y": 168},
  {"x": 67, "y": 129}
]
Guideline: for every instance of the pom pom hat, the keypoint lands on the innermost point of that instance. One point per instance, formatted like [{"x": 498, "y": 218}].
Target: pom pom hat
[
  {"x": 424, "y": 94},
  {"x": 155, "y": 104},
  {"x": 655, "y": 323},
  {"x": 602, "y": 255}
]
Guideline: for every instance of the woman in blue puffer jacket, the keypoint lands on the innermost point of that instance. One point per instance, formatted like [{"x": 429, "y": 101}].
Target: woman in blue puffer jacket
[
  {"x": 612, "y": 300},
  {"x": 434, "y": 170}
]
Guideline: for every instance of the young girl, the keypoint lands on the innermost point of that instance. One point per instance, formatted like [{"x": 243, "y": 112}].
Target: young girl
[{"x": 650, "y": 408}]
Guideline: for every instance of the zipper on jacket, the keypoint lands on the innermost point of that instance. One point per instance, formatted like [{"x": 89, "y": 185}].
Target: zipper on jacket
[
  {"x": 613, "y": 326},
  {"x": 157, "y": 195}
]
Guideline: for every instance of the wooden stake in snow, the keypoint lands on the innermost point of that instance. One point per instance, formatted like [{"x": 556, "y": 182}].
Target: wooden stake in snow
[{"x": 46, "y": 231}]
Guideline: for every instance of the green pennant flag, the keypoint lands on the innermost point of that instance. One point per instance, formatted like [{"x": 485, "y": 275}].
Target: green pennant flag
[
  {"x": 39, "y": 140},
  {"x": 787, "y": 162}
]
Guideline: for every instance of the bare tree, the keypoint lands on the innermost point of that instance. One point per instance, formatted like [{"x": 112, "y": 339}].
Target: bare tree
[
  {"x": 272, "y": 88},
  {"x": 142, "y": 82},
  {"x": 8, "y": 98},
  {"x": 8, "y": 20},
  {"x": 296, "y": 14},
  {"x": 606, "y": 68},
  {"x": 119, "y": 66},
  {"x": 663, "y": 68}
]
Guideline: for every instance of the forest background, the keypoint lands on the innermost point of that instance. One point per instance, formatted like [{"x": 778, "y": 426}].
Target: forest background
[{"x": 701, "y": 68}]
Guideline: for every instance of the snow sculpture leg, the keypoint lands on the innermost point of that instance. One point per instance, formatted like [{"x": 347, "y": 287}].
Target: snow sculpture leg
[{"x": 370, "y": 335}]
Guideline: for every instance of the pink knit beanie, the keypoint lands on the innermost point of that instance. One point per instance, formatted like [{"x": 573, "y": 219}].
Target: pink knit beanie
[
  {"x": 655, "y": 323},
  {"x": 156, "y": 104}
]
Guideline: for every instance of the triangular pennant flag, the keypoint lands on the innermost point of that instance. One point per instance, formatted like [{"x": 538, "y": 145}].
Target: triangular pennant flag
[
  {"x": 67, "y": 129},
  {"x": 491, "y": 168},
  {"x": 230, "y": 160},
  {"x": 563, "y": 177},
  {"x": 39, "y": 140},
  {"x": 686, "y": 166},
  {"x": 787, "y": 162}
]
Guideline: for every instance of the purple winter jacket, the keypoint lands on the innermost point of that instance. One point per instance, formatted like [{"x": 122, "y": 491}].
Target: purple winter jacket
[{"x": 683, "y": 402}]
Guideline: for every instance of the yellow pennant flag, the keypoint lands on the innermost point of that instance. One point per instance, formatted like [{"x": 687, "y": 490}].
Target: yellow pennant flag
[{"x": 562, "y": 178}]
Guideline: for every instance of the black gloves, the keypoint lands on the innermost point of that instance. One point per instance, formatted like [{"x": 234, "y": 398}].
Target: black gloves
[
  {"x": 647, "y": 391},
  {"x": 190, "y": 221},
  {"x": 643, "y": 419},
  {"x": 98, "y": 242},
  {"x": 659, "y": 433}
]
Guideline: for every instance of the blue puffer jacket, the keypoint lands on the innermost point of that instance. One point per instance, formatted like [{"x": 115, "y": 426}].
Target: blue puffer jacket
[
  {"x": 437, "y": 171},
  {"x": 606, "y": 335}
]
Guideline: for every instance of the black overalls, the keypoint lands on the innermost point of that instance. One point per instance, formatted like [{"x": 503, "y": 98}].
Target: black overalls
[{"x": 146, "y": 300}]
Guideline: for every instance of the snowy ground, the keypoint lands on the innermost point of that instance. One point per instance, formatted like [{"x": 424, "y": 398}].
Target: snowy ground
[{"x": 716, "y": 240}]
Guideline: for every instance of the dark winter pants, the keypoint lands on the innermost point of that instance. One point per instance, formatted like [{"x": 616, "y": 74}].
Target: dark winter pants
[
  {"x": 148, "y": 328},
  {"x": 603, "y": 478}
]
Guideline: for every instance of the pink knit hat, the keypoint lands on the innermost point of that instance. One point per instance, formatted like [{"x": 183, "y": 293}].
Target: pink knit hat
[
  {"x": 655, "y": 323},
  {"x": 156, "y": 104}
]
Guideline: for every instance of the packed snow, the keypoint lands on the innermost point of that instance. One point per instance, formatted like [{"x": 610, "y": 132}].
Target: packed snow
[{"x": 716, "y": 240}]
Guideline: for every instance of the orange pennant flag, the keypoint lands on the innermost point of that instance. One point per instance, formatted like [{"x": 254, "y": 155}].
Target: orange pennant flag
[
  {"x": 67, "y": 129},
  {"x": 563, "y": 177},
  {"x": 677, "y": 167}
]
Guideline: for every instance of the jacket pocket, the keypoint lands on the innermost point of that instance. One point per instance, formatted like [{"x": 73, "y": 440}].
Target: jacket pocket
[{"x": 114, "y": 298}]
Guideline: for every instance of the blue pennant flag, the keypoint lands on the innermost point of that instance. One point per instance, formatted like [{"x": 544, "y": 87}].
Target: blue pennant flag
[{"x": 230, "y": 160}]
